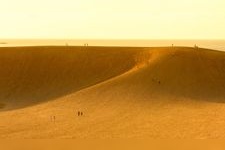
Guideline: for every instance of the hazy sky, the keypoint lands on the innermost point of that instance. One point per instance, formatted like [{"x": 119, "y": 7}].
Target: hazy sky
[{"x": 114, "y": 19}]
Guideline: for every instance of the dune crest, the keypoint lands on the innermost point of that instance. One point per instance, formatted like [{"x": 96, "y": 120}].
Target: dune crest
[
  {"x": 176, "y": 72},
  {"x": 168, "y": 92},
  {"x": 30, "y": 75}
]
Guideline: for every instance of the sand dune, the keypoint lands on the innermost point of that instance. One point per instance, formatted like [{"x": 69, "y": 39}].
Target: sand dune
[
  {"x": 171, "y": 92},
  {"x": 31, "y": 75}
]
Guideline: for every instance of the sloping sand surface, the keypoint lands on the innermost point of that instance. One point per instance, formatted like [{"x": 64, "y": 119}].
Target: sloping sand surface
[
  {"x": 31, "y": 75},
  {"x": 174, "y": 92}
]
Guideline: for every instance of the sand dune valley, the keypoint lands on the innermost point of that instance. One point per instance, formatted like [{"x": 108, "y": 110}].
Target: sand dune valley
[{"x": 111, "y": 92}]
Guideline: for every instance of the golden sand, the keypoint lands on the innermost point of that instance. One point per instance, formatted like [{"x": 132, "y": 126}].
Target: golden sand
[{"x": 170, "y": 92}]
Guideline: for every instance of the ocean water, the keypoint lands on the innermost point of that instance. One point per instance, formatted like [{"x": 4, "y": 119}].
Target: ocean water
[{"x": 211, "y": 44}]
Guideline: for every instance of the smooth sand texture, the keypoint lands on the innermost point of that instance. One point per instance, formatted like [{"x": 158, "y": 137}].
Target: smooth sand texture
[{"x": 173, "y": 92}]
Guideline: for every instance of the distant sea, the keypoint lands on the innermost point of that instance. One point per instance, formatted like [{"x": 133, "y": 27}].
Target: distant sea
[{"x": 211, "y": 44}]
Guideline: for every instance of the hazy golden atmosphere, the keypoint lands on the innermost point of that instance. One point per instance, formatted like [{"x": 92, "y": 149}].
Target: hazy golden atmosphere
[
  {"x": 68, "y": 88},
  {"x": 115, "y": 19}
]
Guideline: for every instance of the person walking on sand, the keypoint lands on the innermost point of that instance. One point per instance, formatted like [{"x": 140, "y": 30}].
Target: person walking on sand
[
  {"x": 53, "y": 118},
  {"x": 79, "y": 113}
]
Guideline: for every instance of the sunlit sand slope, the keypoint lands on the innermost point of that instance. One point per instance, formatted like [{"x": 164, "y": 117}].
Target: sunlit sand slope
[
  {"x": 164, "y": 93},
  {"x": 30, "y": 75}
]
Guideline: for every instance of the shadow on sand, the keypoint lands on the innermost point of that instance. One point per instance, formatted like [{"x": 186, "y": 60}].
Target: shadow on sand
[{"x": 32, "y": 75}]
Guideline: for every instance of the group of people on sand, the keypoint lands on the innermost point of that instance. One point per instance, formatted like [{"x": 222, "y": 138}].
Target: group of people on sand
[
  {"x": 195, "y": 46},
  {"x": 79, "y": 113}
]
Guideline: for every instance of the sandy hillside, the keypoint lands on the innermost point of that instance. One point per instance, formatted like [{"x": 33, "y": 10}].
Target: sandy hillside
[{"x": 173, "y": 92}]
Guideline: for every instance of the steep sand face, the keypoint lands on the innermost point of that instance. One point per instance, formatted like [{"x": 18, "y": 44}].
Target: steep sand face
[
  {"x": 197, "y": 74},
  {"x": 31, "y": 75},
  {"x": 157, "y": 93},
  {"x": 179, "y": 72}
]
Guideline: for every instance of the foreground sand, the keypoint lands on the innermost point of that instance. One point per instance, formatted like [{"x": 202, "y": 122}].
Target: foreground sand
[{"x": 171, "y": 92}]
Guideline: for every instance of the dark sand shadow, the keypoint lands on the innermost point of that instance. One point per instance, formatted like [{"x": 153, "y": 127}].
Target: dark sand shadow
[{"x": 32, "y": 75}]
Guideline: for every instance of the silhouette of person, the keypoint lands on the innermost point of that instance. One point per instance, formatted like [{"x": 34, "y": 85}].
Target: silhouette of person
[
  {"x": 53, "y": 118},
  {"x": 78, "y": 113}
]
